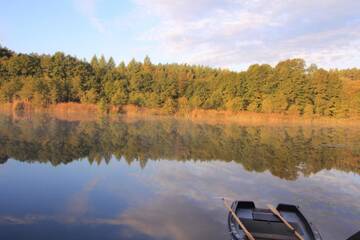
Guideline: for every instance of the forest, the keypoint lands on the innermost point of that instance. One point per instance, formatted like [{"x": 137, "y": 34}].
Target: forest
[{"x": 290, "y": 87}]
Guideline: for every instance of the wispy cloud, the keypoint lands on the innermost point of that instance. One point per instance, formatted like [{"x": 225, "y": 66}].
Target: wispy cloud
[
  {"x": 88, "y": 9},
  {"x": 233, "y": 33}
]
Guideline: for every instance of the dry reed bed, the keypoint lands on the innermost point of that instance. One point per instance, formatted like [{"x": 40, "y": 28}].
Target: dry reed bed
[{"x": 91, "y": 112}]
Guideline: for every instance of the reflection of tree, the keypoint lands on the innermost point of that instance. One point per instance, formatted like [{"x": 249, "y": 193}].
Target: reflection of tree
[
  {"x": 284, "y": 151},
  {"x": 3, "y": 159}
]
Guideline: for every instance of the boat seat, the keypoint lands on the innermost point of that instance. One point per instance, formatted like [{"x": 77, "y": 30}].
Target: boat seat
[
  {"x": 265, "y": 216},
  {"x": 277, "y": 229},
  {"x": 268, "y": 236}
]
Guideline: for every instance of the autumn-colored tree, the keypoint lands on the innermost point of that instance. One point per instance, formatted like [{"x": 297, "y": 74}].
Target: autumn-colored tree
[{"x": 290, "y": 87}]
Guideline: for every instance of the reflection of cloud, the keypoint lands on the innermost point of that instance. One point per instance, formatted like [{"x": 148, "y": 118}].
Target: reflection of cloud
[
  {"x": 78, "y": 204},
  {"x": 173, "y": 218},
  {"x": 326, "y": 197},
  {"x": 183, "y": 203},
  {"x": 18, "y": 220},
  {"x": 179, "y": 200},
  {"x": 345, "y": 186},
  {"x": 204, "y": 181}
]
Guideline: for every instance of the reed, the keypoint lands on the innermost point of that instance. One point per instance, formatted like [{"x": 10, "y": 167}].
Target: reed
[{"x": 80, "y": 111}]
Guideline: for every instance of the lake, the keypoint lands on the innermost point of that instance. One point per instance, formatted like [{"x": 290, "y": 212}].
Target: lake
[{"x": 163, "y": 178}]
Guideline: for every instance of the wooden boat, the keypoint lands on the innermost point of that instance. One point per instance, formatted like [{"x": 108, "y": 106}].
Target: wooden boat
[{"x": 286, "y": 222}]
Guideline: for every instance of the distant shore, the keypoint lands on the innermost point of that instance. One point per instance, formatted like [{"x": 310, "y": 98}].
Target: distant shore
[{"x": 83, "y": 112}]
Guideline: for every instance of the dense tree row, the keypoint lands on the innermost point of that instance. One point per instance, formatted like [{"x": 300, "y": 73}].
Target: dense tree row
[
  {"x": 289, "y": 87},
  {"x": 352, "y": 74},
  {"x": 285, "y": 152}
]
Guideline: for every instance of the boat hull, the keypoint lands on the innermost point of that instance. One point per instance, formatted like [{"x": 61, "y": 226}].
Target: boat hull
[{"x": 263, "y": 224}]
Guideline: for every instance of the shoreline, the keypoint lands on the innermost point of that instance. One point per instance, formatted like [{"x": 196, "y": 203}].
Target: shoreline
[{"x": 91, "y": 112}]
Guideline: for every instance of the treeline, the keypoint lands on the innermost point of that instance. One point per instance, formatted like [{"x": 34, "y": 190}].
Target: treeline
[{"x": 289, "y": 87}]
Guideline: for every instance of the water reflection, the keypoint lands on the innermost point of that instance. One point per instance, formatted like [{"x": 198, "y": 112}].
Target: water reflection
[
  {"x": 161, "y": 179},
  {"x": 284, "y": 151}
]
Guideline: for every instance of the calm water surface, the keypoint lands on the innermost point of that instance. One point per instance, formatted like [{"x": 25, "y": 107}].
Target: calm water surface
[{"x": 162, "y": 179}]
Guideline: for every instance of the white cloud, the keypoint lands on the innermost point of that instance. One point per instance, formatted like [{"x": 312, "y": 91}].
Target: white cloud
[
  {"x": 234, "y": 33},
  {"x": 88, "y": 9}
]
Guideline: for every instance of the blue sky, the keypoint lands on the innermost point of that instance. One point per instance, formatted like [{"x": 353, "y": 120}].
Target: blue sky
[{"x": 220, "y": 33}]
